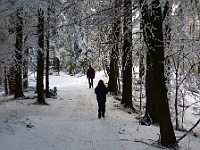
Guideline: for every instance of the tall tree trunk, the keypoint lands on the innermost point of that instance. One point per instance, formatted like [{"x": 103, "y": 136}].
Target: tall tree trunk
[
  {"x": 47, "y": 69},
  {"x": 151, "y": 110},
  {"x": 166, "y": 129},
  {"x": 112, "y": 83},
  {"x": 47, "y": 54},
  {"x": 127, "y": 56},
  {"x": 167, "y": 21},
  {"x": 18, "y": 55},
  {"x": 114, "y": 70},
  {"x": 156, "y": 48},
  {"x": 40, "y": 59}
]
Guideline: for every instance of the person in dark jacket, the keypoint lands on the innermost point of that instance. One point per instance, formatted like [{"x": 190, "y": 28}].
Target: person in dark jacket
[
  {"x": 90, "y": 76},
  {"x": 101, "y": 91}
]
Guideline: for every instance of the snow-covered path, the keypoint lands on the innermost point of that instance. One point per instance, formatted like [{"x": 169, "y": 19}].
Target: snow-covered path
[
  {"x": 84, "y": 129},
  {"x": 70, "y": 122},
  {"x": 80, "y": 126}
]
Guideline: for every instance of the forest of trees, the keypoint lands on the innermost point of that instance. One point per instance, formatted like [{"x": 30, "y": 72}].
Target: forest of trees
[{"x": 160, "y": 37}]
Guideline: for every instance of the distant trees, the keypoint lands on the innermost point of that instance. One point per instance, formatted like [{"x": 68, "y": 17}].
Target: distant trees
[{"x": 25, "y": 32}]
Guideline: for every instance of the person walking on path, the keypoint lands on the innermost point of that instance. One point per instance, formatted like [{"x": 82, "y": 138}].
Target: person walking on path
[
  {"x": 90, "y": 76},
  {"x": 101, "y": 90}
]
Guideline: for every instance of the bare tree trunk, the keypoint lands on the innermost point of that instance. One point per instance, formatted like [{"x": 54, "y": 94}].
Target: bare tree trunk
[
  {"x": 167, "y": 133},
  {"x": 47, "y": 54},
  {"x": 156, "y": 48},
  {"x": 112, "y": 83},
  {"x": 18, "y": 61},
  {"x": 151, "y": 110},
  {"x": 40, "y": 59},
  {"x": 113, "y": 73},
  {"x": 127, "y": 56},
  {"x": 47, "y": 69}
]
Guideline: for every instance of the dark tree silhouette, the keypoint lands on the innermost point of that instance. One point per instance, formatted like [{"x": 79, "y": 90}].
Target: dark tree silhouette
[
  {"x": 127, "y": 56},
  {"x": 114, "y": 69},
  {"x": 47, "y": 92},
  {"x": 40, "y": 59},
  {"x": 18, "y": 57},
  {"x": 151, "y": 110},
  {"x": 153, "y": 35}
]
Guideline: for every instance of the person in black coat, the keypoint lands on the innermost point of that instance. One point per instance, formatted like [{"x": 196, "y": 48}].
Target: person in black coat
[
  {"x": 90, "y": 76},
  {"x": 101, "y": 91}
]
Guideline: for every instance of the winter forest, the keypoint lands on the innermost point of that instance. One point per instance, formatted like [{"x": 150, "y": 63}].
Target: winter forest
[{"x": 148, "y": 49}]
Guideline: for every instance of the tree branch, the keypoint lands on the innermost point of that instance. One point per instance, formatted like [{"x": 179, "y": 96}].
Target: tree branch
[{"x": 189, "y": 130}]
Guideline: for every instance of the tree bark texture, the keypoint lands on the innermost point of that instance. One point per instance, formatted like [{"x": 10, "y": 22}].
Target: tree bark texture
[
  {"x": 153, "y": 35},
  {"x": 40, "y": 59},
  {"x": 166, "y": 129},
  {"x": 151, "y": 110},
  {"x": 114, "y": 69},
  {"x": 127, "y": 56},
  {"x": 18, "y": 57},
  {"x": 47, "y": 55}
]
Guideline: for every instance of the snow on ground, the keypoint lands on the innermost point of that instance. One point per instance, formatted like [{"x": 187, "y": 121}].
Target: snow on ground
[{"x": 70, "y": 122}]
